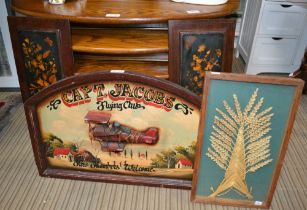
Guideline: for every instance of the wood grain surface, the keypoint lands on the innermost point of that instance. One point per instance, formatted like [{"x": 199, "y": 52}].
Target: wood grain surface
[
  {"x": 132, "y": 11},
  {"x": 119, "y": 41},
  {"x": 86, "y": 64}
]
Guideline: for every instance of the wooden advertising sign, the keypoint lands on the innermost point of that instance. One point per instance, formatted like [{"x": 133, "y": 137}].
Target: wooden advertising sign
[
  {"x": 243, "y": 137},
  {"x": 116, "y": 127}
]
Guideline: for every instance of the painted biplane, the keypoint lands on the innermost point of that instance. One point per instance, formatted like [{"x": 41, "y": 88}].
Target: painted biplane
[{"x": 114, "y": 136}]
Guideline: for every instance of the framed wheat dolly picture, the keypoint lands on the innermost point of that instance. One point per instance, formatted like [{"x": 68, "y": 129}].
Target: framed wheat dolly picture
[{"x": 245, "y": 126}]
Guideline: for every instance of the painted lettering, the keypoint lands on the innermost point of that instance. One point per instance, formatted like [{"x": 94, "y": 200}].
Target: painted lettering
[
  {"x": 148, "y": 96},
  {"x": 137, "y": 168},
  {"x": 98, "y": 89},
  {"x": 86, "y": 90},
  {"x": 169, "y": 102}
]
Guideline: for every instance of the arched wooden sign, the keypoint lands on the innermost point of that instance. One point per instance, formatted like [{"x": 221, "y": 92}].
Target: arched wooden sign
[{"x": 117, "y": 127}]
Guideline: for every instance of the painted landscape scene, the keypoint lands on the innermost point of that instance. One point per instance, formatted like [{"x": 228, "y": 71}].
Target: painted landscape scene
[
  {"x": 172, "y": 162},
  {"x": 120, "y": 135}
]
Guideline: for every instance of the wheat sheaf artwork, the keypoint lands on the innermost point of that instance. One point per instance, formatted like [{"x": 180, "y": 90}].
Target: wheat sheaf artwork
[
  {"x": 240, "y": 143},
  {"x": 243, "y": 135}
]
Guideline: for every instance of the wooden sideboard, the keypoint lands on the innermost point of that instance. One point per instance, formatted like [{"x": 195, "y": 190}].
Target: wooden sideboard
[{"x": 123, "y": 34}]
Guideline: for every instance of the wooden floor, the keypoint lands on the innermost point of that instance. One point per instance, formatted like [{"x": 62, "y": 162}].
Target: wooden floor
[{"x": 22, "y": 188}]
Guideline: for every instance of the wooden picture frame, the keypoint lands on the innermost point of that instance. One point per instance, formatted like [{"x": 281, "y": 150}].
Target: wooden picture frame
[
  {"x": 115, "y": 127},
  {"x": 42, "y": 50},
  {"x": 239, "y": 154},
  {"x": 198, "y": 46}
]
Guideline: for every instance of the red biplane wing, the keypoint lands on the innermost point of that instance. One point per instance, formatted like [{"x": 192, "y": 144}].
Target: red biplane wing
[{"x": 97, "y": 117}]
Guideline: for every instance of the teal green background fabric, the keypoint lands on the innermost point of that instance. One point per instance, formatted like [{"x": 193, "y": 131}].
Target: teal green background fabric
[{"x": 280, "y": 97}]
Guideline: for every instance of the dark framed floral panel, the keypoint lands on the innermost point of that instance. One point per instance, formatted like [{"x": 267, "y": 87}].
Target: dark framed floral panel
[
  {"x": 243, "y": 136},
  {"x": 115, "y": 127},
  {"x": 42, "y": 51},
  {"x": 199, "y": 46}
]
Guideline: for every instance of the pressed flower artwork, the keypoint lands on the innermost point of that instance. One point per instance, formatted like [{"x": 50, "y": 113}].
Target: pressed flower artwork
[
  {"x": 40, "y": 56},
  {"x": 200, "y": 53}
]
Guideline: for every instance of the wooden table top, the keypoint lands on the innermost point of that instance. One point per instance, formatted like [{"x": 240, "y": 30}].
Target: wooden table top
[{"x": 122, "y": 11}]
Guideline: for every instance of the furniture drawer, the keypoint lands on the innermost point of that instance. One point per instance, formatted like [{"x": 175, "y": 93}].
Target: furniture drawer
[
  {"x": 277, "y": 51},
  {"x": 282, "y": 19}
]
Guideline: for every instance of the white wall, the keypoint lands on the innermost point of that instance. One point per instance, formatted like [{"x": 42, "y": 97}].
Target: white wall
[{"x": 7, "y": 81}]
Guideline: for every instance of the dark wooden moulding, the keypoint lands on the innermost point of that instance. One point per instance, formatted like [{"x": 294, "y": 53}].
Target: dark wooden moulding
[
  {"x": 302, "y": 72},
  {"x": 75, "y": 81}
]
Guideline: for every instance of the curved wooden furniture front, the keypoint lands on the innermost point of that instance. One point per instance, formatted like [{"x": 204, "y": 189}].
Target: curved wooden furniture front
[
  {"x": 122, "y": 34},
  {"x": 119, "y": 41},
  {"x": 130, "y": 11}
]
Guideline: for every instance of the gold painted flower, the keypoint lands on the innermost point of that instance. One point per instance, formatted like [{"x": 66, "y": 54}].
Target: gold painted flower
[
  {"x": 197, "y": 67},
  {"x": 49, "y": 41},
  {"x": 209, "y": 66},
  {"x": 204, "y": 59},
  {"x": 201, "y": 48},
  {"x": 40, "y": 64}
]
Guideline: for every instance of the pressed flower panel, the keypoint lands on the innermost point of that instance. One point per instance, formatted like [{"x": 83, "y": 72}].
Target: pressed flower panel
[
  {"x": 41, "y": 61},
  {"x": 200, "y": 53}
]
